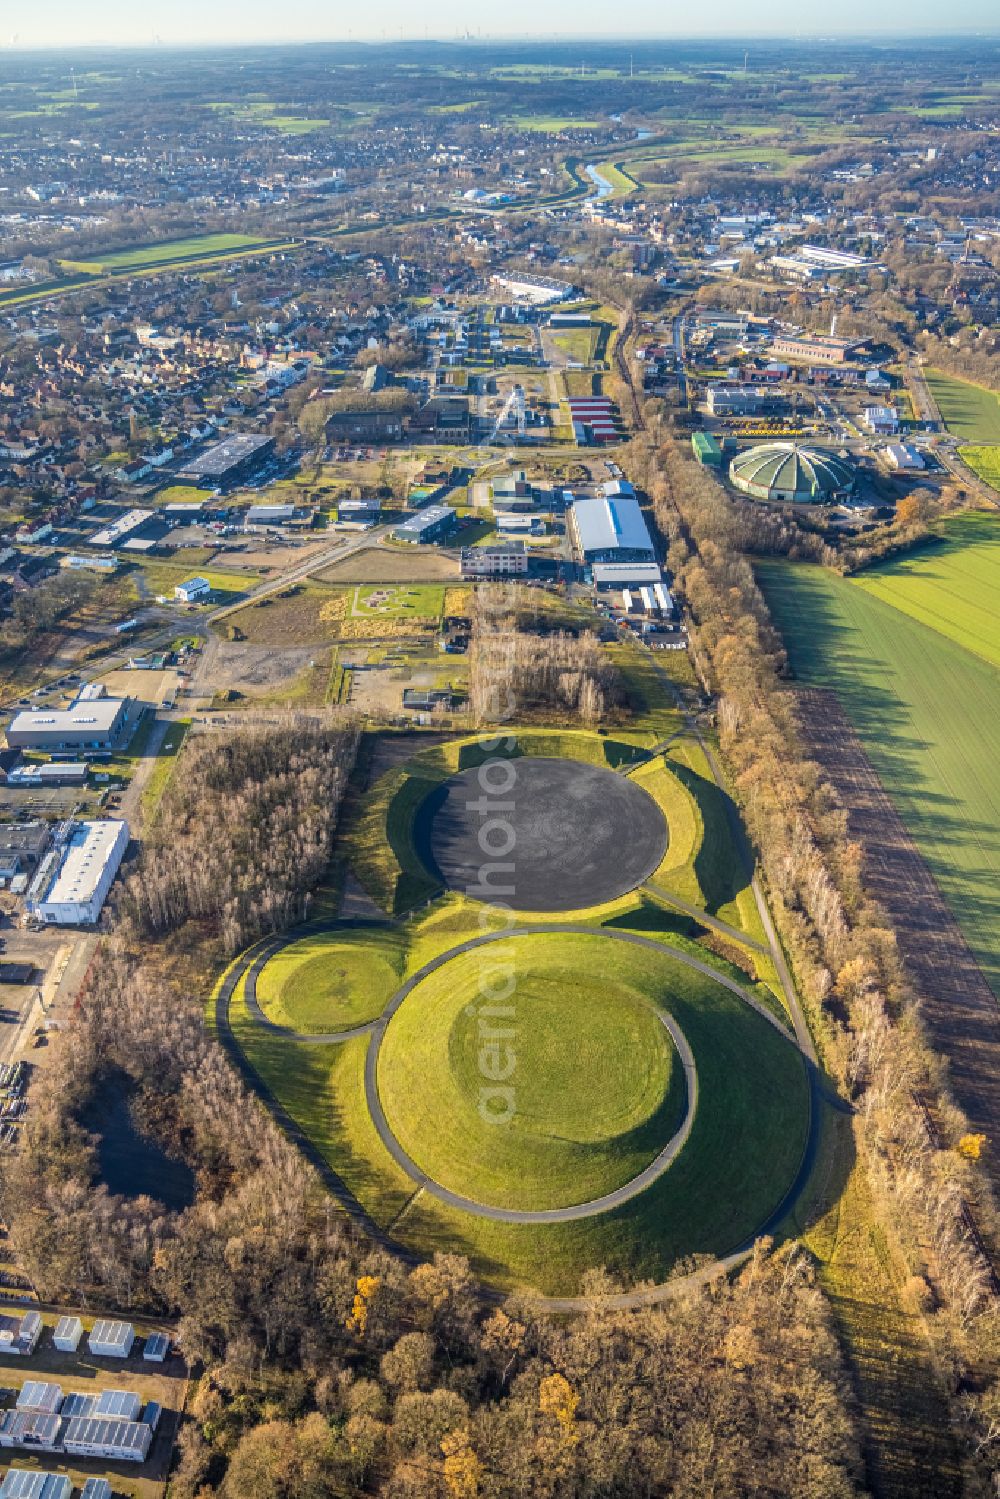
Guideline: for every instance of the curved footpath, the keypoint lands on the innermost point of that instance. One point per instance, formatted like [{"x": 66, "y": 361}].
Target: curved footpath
[{"x": 250, "y": 965}]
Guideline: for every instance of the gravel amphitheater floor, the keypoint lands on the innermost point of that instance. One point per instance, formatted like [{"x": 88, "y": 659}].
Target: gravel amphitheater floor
[{"x": 565, "y": 835}]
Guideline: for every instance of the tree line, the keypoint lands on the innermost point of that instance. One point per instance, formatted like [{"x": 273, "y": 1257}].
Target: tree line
[{"x": 863, "y": 1011}]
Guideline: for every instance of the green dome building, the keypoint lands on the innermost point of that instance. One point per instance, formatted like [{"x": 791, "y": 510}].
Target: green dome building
[{"x": 786, "y": 474}]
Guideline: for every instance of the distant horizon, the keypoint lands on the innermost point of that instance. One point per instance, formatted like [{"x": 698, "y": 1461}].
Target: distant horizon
[{"x": 111, "y": 24}]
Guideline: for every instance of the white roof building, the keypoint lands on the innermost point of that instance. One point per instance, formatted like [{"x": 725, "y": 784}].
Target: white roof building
[
  {"x": 20, "y": 1334},
  {"x": 40, "y": 1396},
  {"x": 903, "y": 455},
  {"x": 72, "y": 885},
  {"x": 192, "y": 590},
  {"x": 97, "y": 1436},
  {"x": 111, "y": 1339},
  {"x": 109, "y": 536},
  {"x": 29, "y": 1483},
  {"x": 88, "y": 724},
  {"x": 69, "y": 1331}
]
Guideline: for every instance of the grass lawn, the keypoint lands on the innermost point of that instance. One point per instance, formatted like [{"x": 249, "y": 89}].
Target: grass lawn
[
  {"x": 952, "y": 585},
  {"x": 926, "y": 710},
  {"x": 968, "y": 410},
  {"x": 398, "y": 601},
  {"x": 595, "y": 1085},
  {"x": 622, "y": 182},
  {"x": 330, "y": 981},
  {"x": 984, "y": 461},
  {"x": 181, "y": 494},
  {"x": 577, "y": 344},
  {"x": 161, "y": 578},
  {"x": 163, "y": 769},
  {"x": 653, "y": 709},
  {"x": 743, "y": 1152}
]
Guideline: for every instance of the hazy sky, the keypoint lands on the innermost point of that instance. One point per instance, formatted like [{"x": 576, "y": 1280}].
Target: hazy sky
[{"x": 54, "y": 23}]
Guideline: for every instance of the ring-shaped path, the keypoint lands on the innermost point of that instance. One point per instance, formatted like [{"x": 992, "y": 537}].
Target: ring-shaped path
[
  {"x": 376, "y": 1029},
  {"x": 252, "y": 962}
]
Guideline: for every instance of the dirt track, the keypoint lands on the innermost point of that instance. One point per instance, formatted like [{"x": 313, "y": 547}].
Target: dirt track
[{"x": 959, "y": 1008}]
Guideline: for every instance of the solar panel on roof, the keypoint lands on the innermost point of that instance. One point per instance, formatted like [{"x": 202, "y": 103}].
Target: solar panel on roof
[{"x": 122, "y": 1403}]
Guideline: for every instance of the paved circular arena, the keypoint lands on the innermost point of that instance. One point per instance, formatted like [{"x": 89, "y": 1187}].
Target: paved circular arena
[{"x": 544, "y": 834}]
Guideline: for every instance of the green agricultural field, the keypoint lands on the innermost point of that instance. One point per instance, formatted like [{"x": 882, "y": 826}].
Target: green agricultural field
[
  {"x": 952, "y": 585},
  {"x": 169, "y": 252},
  {"x": 269, "y": 116},
  {"x": 969, "y": 411},
  {"x": 552, "y": 124},
  {"x": 926, "y": 711},
  {"x": 983, "y": 461}
]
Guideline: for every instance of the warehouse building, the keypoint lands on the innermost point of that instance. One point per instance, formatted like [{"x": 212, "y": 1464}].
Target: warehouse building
[
  {"x": 39, "y": 1397},
  {"x": 110, "y": 1424},
  {"x": 626, "y": 575},
  {"x": 30, "y": 1429},
  {"x": 156, "y": 1348},
  {"x": 126, "y": 525},
  {"x": 428, "y": 525},
  {"x": 359, "y": 515},
  {"x": 744, "y": 400},
  {"x": 228, "y": 462},
  {"x": 70, "y": 889},
  {"x": 816, "y": 350},
  {"x": 610, "y": 529},
  {"x": 535, "y": 289},
  {"x": 903, "y": 456},
  {"x": 269, "y": 515},
  {"x": 95, "y": 724},
  {"x": 96, "y": 1488},
  {"x": 593, "y": 419}
]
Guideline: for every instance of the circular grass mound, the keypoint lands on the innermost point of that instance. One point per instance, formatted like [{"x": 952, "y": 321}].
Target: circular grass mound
[
  {"x": 543, "y": 834},
  {"x": 331, "y": 981},
  {"x": 556, "y": 1095}
]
